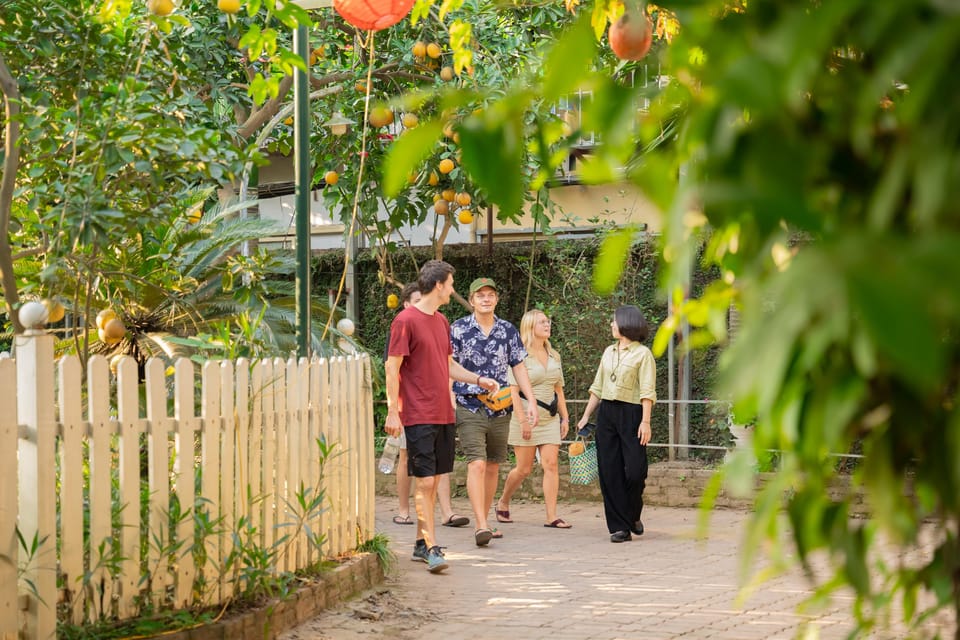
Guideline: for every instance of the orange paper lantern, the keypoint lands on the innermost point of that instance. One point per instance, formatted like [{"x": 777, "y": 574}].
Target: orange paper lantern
[{"x": 373, "y": 15}]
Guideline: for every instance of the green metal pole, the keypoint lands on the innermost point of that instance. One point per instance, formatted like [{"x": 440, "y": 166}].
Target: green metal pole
[{"x": 302, "y": 175}]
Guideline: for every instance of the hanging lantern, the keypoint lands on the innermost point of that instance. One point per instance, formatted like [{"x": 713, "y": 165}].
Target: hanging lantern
[{"x": 373, "y": 15}]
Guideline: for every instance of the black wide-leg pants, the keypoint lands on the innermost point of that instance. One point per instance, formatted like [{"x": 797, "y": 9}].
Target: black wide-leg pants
[{"x": 622, "y": 461}]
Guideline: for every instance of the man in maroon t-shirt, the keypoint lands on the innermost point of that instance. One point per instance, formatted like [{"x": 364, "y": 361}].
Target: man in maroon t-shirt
[{"x": 420, "y": 355}]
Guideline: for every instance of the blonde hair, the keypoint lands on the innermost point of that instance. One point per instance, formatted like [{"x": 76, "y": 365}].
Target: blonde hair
[{"x": 527, "y": 323}]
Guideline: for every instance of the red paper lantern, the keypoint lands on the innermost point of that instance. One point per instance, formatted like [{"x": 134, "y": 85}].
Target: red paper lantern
[{"x": 373, "y": 15}]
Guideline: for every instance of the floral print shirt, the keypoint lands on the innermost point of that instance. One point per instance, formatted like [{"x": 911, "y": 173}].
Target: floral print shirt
[{"x": 490, "y": 356}]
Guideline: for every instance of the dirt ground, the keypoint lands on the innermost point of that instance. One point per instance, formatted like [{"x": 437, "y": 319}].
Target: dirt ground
[{"x": 381, "y": 613}]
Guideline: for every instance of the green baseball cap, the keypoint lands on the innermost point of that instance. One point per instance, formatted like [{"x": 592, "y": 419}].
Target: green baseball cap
[{"x": 480, "y": 283}]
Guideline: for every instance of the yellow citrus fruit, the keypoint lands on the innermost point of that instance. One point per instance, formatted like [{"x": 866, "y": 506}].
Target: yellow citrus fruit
[
  {"x": 433, "y": 50},
  {"x": 412, "y": 178},
  {"x": 456, "y": 138},
  {"x": 446, "y": 74},
  {"x": 104, "y": 317},
  {"x": 331, "y": 177},
  {"x": 575, "y": 449},
  {"x": 288, "y": 121},
  {"x": 448, "y": 194},
  {"x": 465, "y": 216},
  {"x": 410, "y": 120},
  {"x": 442, "y": 207},
  {"x": 434, "y": 179},
  {"x": 463, "y": 199},
  {"x": 55, "y": 310},
  {"x": 380, "y": 116},
  {"x": 393, "y": 301},
  {"x": 114, "y": 330},
  {"x": 446, "y": 165},
  {"x": 448, "y": 129},
  {"x": 194, "y": 216},
  {"x": 361, "y": 87},
  {"x": 419, "y": 49},
  {"x": 160, "y": 7},
  {"x": 437, "y": 196},
  {"x": 229, "y": 6}
]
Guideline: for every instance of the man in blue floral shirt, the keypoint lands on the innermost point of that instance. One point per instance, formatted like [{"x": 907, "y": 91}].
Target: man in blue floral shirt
[{"x": 490, "y": 346}]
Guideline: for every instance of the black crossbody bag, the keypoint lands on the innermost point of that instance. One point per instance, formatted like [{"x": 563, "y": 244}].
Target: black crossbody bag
[{"x": 552, "y": 407}]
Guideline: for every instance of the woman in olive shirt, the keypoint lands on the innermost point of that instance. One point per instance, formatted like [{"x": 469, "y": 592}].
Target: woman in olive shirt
[{"x": 624, "y": 389}]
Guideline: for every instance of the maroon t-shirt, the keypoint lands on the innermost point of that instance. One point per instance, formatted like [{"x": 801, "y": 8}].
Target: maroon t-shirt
[{"x": 424, "y": 342}]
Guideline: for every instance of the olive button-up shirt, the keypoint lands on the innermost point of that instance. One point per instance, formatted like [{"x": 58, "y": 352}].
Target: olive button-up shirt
[{"x": 629, "y": 375}]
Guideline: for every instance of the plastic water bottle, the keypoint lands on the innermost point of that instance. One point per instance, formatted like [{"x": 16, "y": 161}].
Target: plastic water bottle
[{"x": 391, "y": 449}]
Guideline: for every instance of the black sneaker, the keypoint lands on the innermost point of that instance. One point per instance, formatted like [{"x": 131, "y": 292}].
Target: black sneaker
[
  {"x": 638, "y": 527},
  {"x": 420, "y": 552}
]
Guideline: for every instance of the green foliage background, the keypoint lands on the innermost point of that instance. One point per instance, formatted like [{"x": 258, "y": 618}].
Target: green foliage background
[{"x": 562, "y": 272}]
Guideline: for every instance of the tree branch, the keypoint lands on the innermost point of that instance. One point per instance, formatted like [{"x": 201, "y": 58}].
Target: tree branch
[
  {"x": 11, "y": 163},
  {"x": 258, "y": 117},
  {"x": 269, "y": 108}
]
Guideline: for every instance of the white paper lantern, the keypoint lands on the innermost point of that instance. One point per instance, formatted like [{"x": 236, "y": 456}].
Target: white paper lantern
[
  {"x": 346, "y": 326},
  {"x": 33, "y": 315}
]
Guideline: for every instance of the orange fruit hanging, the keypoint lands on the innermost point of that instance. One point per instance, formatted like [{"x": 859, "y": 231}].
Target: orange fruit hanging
[{"x": 380, "y": 117}]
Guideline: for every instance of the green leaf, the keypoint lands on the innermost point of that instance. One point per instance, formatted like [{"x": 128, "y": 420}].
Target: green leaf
[
  {"x": 597, "y": 170},
  {"x": 569, "y": 60},
  {"x": 406, "y": 153},
  {"x": 610, "y": 261},
  {"x": 493, "y": 152}
]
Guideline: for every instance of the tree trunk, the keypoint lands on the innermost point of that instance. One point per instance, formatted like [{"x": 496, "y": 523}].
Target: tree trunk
[{"x": 11, "y": 163}]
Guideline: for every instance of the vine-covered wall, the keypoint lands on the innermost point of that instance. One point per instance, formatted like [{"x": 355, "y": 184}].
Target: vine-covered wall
[{"x": 556, "y": 277}]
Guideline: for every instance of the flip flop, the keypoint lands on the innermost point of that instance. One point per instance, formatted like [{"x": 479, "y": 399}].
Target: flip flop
[
  {"x": 503, "y": 517},
  {"x": 398, "y": 519},
  {"x": 559, "y": 523},
  {"x": 482, "y": 537},
  {"x": 456, "y": 521},
  {"x": 497, "y": 533}
]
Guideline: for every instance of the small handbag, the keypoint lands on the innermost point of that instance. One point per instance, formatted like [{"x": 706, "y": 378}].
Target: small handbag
[
  {"x": 584, "y": 468},
  {"x": 498, "y": 401},
  {"x": 551, "y": 408}
]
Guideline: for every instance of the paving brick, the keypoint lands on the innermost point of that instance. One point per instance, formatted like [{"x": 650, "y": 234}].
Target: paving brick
[{"x": 544, "y": 584}]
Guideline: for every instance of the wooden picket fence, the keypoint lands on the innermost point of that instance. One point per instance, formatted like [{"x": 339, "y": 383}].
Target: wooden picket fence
[{"x": 110, "y": 502}]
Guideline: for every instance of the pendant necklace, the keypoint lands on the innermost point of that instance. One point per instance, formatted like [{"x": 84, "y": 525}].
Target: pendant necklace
[{"x": 616, "y": 368}]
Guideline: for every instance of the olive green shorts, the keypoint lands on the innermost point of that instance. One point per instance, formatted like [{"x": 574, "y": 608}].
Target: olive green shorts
[{"x": 482, "y": 437}]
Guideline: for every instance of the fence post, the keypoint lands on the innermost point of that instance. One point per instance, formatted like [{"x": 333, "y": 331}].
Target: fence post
[
  {"x": 37, "y": 468},
  {"x": 9, "y": 611}
]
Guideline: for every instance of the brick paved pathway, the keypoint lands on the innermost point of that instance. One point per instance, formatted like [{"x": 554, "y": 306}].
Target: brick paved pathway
[{"x": 540, "y": 583}]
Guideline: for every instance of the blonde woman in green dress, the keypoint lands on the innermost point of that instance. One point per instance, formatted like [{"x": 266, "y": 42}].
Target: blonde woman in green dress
[{"x": 546, "y": 378}]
